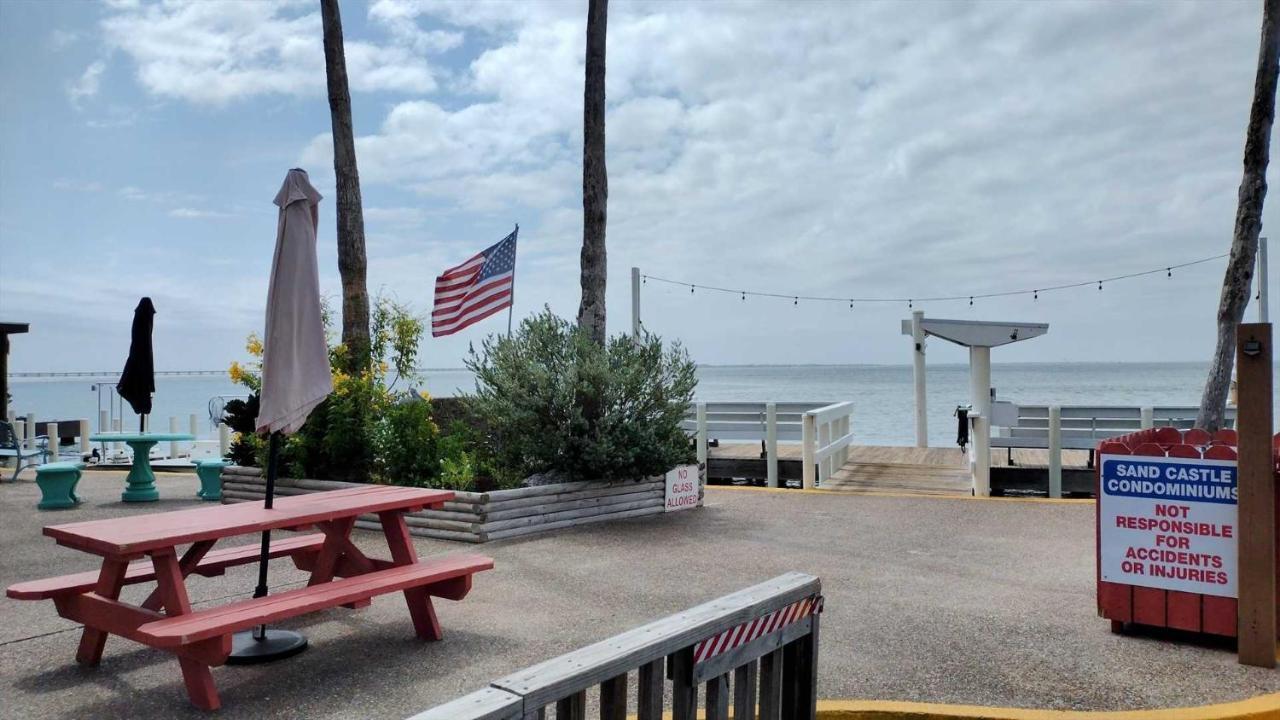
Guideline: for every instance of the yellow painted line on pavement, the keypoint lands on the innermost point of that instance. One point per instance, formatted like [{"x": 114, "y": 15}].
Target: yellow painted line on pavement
[{"x": 1262, "y": 707}]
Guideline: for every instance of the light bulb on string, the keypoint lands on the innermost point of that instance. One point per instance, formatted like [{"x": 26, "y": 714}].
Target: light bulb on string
[
  {"x": 1099, "y": 286},
  {"x": 850, "y": 304},
  {"x": 1035, "y": 295},
  {"x": 970, "y": 301},
  {"x": 1170, "y": 271},
  {"x": 744, "y": 296},
  {"x": 796, "y": 301},
  {"x": 910, "y": 304},
  {"x": 691, "y": 287}
]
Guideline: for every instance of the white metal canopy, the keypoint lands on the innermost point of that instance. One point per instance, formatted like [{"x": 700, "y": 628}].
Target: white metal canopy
[
  {"x": 979, "y": 336},
  {"x": 978, "y": 333}
]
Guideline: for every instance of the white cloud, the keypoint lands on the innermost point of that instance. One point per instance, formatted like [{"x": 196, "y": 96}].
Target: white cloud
[
  {"x": 844, "y": 148},
  {"x": 214, "y": 51},
  {"x": 61, "y": 39},
  {"x": 77, "y": 185},
  {"x": 86, "y": 86},
  {"x": 196, "y": 214}
]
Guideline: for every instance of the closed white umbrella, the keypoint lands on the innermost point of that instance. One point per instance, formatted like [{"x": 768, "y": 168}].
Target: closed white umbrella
[
  {"x": 295, "y": 359},
  {"x": 295, "y": 372}
]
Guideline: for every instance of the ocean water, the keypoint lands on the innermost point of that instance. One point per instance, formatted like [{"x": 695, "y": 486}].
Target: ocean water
[{"x": 882, "y": 394}]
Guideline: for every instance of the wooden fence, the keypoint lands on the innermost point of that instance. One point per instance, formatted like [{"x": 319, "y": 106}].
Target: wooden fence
[
  {"x": 1082, "y": 427},
  {"x": 478, "y": 517},
  {"x": 823, "y": 428},
  {"x": 755, "y": 650},
  {"x": 826, "y": 442}
]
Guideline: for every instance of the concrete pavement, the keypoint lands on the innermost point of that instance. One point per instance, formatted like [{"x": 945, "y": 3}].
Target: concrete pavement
[{"x": 944, "y": 600}]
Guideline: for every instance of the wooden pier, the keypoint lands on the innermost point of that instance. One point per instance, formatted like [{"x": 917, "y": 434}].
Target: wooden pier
[{"x": 889, "y": 469}]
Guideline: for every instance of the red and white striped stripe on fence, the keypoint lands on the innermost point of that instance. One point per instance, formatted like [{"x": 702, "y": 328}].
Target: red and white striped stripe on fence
[{"x": 740, "y": 635}]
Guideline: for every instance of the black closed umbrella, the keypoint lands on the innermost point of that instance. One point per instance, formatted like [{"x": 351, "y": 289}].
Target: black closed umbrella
[{"x": 138, "y": 381}]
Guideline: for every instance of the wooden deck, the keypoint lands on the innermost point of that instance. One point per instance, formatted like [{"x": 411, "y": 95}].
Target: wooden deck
[
  {"x": 922, "y": 471},
  {"x": 878, "y": 468}
]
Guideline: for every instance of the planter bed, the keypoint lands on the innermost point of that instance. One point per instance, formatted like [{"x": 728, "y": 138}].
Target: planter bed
[{"x": 478, "y": 517}]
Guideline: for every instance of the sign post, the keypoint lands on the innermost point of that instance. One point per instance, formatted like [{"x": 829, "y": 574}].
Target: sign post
[{"x": 1257, "y": 570}]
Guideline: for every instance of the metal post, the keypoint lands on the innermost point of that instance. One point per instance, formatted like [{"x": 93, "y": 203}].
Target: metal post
[
  {"x": 771, "y": 443},
  {"x": 635, "y": 303},
  {"x": 511, "y": 309},
  {"x": 1256, "y": 503},
  {"x": 918, "y": 374},
  {"x": 224, "y": 439},
  {"x": 1148, "y": 416},
  {"x": 104, "y": 425},
  {"x": 193, "y": 425},
  {"x": 4, "y": 377},
  {"x": 51, "y": 432},
  {"x": 808, "y": 437},
  {"x": 824, "y": 439},
  {"x": 981, "y": 456},
  {"x": 84, "y": 436},
  {"x": 980, "y": 397},
  {"x": 173, "y": 444},
  {"x": 702, "y": 433},
  {"x": 1263, "y": 310},
  {"x": 1055, "y": 452}
]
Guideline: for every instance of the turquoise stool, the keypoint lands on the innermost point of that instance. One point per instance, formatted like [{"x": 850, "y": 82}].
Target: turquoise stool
[
  {"x": 210, "y": 473},
  {"x": 57, "y": 483}
]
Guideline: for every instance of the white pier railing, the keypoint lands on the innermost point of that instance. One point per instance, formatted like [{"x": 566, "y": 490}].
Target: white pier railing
[
  {"x": 823, "y": 428},
  {"x": 826, "y": 442},
  {"x": 1069, "y": 427}
]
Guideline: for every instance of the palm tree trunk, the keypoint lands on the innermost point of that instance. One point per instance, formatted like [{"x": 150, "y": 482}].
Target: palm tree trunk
[
  {"x": 351, "y": 253},
  {"x": 595, "y": 179},
  {"x": 1244, "y": 242}
]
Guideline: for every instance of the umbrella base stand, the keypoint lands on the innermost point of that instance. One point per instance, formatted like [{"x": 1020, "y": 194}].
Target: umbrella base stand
[{"x": 248, "y": 648}]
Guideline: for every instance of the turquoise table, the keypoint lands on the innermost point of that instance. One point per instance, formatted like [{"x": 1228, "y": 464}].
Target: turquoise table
[{"x": 141, "y": 483}]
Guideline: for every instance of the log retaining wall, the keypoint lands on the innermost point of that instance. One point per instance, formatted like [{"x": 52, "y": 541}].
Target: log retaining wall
[{"x": 478, "y": 517}]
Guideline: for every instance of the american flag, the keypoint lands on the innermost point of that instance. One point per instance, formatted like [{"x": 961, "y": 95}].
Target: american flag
[{"x": 476, "y": 289}]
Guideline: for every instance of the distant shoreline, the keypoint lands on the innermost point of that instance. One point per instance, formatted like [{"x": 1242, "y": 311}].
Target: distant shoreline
[{"x": 33, "y": 375}]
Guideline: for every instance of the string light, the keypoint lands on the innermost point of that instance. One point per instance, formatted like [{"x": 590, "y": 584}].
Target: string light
[{"x": 1034, "y": 292}]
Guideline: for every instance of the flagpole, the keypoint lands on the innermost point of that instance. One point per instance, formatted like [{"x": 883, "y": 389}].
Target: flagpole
[{"x": 511, "y": 309}]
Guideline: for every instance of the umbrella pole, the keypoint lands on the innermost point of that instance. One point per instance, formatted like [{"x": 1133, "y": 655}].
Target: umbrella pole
[{"x": 260, "y": 644}]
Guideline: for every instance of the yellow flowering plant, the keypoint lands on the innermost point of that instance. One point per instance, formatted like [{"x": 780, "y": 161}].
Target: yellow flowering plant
[{"x": 365, "y": 430}]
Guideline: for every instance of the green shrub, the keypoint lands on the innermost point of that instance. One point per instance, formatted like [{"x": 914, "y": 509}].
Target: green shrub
[
  {"x": 359, "y": 432},
  {"x": 550, "y": 399},
  {"x": 405, "y": 442}
]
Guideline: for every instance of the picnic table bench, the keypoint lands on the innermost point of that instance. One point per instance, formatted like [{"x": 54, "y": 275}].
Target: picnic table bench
[{"x": 135, "y": 552}]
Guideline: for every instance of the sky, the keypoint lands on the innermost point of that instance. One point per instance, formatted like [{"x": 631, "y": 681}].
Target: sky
[{"x": 807, "y": 148}]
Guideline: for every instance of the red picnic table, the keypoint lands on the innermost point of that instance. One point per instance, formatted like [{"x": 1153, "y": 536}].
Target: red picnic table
[{"x": 340, "y": 573}]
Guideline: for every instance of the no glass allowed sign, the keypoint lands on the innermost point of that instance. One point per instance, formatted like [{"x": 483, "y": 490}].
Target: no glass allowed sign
[
  {"x": 1169, "y": 523},
  {"x": 682, "y": 488}
]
